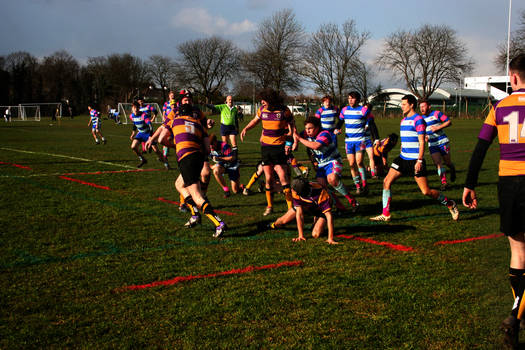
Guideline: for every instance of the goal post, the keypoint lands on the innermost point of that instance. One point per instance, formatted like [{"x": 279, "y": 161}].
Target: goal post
[
  {"x": 124, "y": 111},
  {"x": 35, "y": 111}
]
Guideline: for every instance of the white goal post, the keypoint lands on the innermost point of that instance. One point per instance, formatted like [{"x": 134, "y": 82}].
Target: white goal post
[
  {"x": 35, "y": 111},
  {"x": 124, "y": 111}
]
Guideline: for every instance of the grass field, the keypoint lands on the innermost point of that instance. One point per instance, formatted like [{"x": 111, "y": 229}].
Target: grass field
[{"x": 79, "y": 230}]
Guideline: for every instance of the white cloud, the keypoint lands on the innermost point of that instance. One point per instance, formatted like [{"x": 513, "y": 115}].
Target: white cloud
[{"x": 200, "y": 20}]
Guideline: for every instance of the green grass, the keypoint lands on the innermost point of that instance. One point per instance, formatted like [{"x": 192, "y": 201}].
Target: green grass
[{"x": 67, "y": 249}]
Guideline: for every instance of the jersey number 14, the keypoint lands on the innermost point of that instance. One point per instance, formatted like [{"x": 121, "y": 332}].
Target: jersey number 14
[{"x": 514, "y": 120}]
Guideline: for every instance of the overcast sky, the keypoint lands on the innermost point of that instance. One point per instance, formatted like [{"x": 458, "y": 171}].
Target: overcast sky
[{"x": 88, "y": 28}]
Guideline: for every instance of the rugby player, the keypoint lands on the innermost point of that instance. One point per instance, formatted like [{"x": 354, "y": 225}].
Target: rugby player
[
  {"x": 411, "y": 161},
  {"x": 226, "y": 161},
  {"x": 326, "y": 155},
  {"x": 438, "y": 142},
  {"x": 277, "y": 125},
  {"x": 192, "y": 146},
  {"x": 309, "y": 198},
  {"x": 506, "y": 120},
  {"x": 94, "y": 121},
  {"x": 141, "y": 133},
  {"x": 356, "y": 118}
]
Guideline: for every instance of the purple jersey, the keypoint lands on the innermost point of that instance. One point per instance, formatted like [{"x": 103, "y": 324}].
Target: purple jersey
[{"x": 316, "y": 203}]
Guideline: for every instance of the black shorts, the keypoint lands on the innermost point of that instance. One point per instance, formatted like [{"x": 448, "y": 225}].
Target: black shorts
[
  {"x": 406, "y": 167},
  {"x": 228, "y": 130},
  {"x": 511, "y": 195},
  {"x": 273, "y": 155},
  {"x": 190, "y": 168}
]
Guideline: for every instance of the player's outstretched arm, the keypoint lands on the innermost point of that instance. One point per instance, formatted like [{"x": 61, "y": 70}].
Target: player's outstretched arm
[
  {"x": 330, "y": 224},
  {"x": 300, "y": 225}
]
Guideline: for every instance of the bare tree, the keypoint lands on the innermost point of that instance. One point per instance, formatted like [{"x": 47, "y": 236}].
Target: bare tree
[
  {"x": 331, "y": 59},
  {"x": 127, "y": 76},
  {"x": 361, "y": 80},
  {"x": 425, "y": 58},
  {"x": 278, "y": 47},
  {"x": 162, "y": 71},
  {"x": 24, "y": 82},
  {"x": 517, "y": 46},
  {"x": 206, "y": 64},
  {"x": 60, "y": 75}
]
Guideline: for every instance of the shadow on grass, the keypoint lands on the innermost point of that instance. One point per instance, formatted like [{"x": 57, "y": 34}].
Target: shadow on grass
[{"x": 372, "y": 230}]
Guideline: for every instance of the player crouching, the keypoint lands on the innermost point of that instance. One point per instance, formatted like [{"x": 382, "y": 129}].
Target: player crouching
[
  {"x": 226, "y": 161},
  {"x": 310, "y": 198}
]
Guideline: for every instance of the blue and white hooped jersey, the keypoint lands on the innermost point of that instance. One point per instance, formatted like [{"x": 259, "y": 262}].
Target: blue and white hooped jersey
[
  {"x": 410, "y": 128},
  {"x": 141, "y": 122},
  {"x": 328, "y": 152},
  {"x": 328, "y": 117},
  {"x": 439, "y": 137},
  {"x": 95, "y": 118},
  {"x": 148, "y": 109},
  {"x": 356, "y": 119}
]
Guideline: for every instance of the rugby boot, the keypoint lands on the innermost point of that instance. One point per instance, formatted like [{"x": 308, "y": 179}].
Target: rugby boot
[
  {"x": 142, "y": 162},
  {"x": 511, "y": 327},
  {"x": 453, "y": 208},
  {"x": 219, "y": 230},
  {"x": 268, "y": 211},
  {"x": 193, "y": 221},
  {"x": 381, "y": 217}
]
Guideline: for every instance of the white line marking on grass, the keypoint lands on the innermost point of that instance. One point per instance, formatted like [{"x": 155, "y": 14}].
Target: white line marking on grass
[{"x": 68, "y": 157}]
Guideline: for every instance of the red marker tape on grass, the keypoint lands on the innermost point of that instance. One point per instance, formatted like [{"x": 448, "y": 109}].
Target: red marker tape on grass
[
  {"x": 494, "y": 235},
  {"x": 17, "y": 165},
  {"x": 211, "y": 275},
  {"x": 177, "y": 203},
  {"x": 385, "y": 244},
  {"x": 85, "y": 183}
]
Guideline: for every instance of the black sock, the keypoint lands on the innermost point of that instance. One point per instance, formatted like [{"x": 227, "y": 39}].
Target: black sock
[{"x": 517, "y": 282}]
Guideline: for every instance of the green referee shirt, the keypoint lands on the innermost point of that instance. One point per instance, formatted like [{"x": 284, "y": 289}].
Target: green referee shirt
[{"x": 228, "y": 115}]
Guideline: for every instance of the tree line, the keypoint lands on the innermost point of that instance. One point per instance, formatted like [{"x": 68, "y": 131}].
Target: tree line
[{"x": 284, "y": 57}]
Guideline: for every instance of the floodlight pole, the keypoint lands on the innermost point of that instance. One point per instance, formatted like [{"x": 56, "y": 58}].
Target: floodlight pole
[{"x": 508, "y": 47}]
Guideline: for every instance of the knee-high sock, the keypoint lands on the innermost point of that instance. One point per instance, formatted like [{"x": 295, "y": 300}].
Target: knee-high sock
[
  {"x": 207, "y": 209},
  {"x": 342, "y": 189},
  {"x": 517, "y": 283},
  {"x": 252, "y": 180},
  {"x": 362, "y": 172},
  {"x": 444, "y": 200},
  {"x": 269, "y": 197},
  {"x": 357, "y": 180},
  {"x": 442, "y": 173},
  {"x": 287, "y": 195},
  {"x": 387, "y": 197},
  {"x": 190, "y": 204}
]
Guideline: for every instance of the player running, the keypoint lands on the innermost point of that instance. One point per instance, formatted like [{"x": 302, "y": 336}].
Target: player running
[
  {"x": 192, "y": 146},
  {"x": 356, "y": 118},
  {"x": 141, "y": 133},
  {"x": 326, "y": 156},
  {"x": 94, "y": 121},
  {"x": 411, "y": 162},
  {"x": 438, "y": 142}
]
